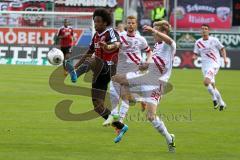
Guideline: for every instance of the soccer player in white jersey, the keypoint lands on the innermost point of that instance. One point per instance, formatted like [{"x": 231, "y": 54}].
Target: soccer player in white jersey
[
  {"x": 208, "y": 48},
  {"x": 155, "y": 80},
  {"x": 129, "y": 59}
]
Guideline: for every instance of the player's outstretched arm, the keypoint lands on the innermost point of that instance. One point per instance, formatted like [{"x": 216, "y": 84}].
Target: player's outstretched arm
[
  {"x": 224, "y": 55},
  {"x": 145, "y": 65},
  {"x": 109, "y": 47},
  {"x": 163, "y": 36},
  {"x": 149, "y": 56}
]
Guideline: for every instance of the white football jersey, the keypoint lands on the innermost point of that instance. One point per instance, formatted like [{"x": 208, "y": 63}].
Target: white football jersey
[
  {"x": 209, "y": 51},
  {"x": 162, "y": 60},
  {"x": 130, "y": 54}
]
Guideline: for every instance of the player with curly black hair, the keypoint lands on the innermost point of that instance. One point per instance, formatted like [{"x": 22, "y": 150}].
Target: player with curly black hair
[{"x": 105, "y": 44}]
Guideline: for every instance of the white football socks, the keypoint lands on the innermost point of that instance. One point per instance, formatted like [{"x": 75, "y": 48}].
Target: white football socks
[
  {"x": 114, "y": 96},
  {"x": 123, "y": 109},
  {"x": 211, "y": 90},
  {"x": 219, "y": 97},
  {"x": 160, "y": 126}
]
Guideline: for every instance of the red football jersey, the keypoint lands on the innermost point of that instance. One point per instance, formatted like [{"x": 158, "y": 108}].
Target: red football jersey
[
  {"x": 67, "y": 40},
  {"x": 109, "y": 36}
]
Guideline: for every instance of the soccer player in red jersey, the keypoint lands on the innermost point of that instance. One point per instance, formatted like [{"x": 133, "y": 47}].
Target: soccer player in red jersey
[
  {"x": 65, "y": 34},
  {"x": 105, "y": 44}
]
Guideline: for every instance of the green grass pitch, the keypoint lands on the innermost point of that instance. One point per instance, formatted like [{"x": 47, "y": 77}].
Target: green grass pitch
[{"x": 30, "y": 130}]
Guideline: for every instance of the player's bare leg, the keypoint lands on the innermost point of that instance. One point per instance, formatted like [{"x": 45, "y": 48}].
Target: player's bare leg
[
  {"x": 91, "y": 63},
  {"x": 66, "y": 57},
  {"x": 143, "y": 106},
  {"x": 121, "y": 79},
  {"x": 98, "y": 97},
  {"x": 159, "y": 125},
  {"x": 68, "y": 66}
]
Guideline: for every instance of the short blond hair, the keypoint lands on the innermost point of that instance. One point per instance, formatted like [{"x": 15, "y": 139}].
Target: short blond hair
[
  {"x": 132, "y": 17},
  {"x": 162, "y": 25}
]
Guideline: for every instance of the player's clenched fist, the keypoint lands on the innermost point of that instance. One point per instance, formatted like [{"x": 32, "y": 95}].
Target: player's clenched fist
[{"x": 147, "y": 28}]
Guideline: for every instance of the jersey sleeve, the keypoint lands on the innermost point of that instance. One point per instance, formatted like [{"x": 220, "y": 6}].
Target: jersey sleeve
[
  {"x": 144, "y": 45},
  {"x": 219, "y": 45},
  {"x": 113, "y": 36},
  {"x": 196, "y": 49}
]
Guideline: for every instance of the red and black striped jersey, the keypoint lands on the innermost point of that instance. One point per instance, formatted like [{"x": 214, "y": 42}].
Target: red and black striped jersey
[
  {"x": 67, "y": 33},
  {"x": 109, "y": 36}
]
